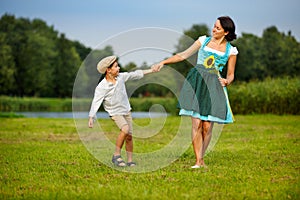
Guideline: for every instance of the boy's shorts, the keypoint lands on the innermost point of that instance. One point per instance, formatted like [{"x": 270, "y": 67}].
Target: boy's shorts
[{"x": 122, "y": 120}]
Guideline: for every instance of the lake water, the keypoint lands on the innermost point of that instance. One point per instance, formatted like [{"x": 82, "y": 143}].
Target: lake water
[{"x": 82, "y": 115}]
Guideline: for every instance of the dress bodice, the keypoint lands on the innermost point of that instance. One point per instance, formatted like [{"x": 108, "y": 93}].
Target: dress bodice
[{"x": 212, "y": 60}]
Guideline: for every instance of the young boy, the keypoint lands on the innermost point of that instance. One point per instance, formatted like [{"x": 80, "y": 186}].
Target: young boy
[{"x": 112, "y": 92}]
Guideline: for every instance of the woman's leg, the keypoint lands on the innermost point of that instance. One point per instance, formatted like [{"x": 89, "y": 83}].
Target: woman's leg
[
  {"x": 206, "y": 135},
  {"x": 197, "y": 139}
]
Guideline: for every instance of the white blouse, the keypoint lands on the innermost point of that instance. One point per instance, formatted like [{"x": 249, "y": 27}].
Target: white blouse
[{"x": 233, "y": 50}]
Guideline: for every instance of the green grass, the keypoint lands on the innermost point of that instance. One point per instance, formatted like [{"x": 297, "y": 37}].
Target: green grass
[{"x": 257, "y": 157}]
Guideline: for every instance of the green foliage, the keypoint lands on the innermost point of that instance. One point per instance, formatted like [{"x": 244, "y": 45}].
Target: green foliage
[
  {"x": 27, "y": 104},
  {"x": 275, "y": 54},
  {"x": 190, "y": 36},
  {"x": 36, "y": 60},
  {"x": 130, "y": 66},
  {"x": 250, "y": 61},
  {"x": 82, "y": 50},
  {"x": 68, "y": 62},
  {"x": 88, "y": 77},
  {"x": 255, "y": 158},
  {"x": 7, "y": 66},
  {"x": 166, "y": 83},
  {"x": 144, "y": 104},
  {"x": 277, "y": 96},
  {"x": 10, "y": 115},
  {"x": 184, "y": 42}
]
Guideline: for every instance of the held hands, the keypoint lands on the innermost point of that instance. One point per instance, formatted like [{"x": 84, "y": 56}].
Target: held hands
[{"x": 156, "y": 67}]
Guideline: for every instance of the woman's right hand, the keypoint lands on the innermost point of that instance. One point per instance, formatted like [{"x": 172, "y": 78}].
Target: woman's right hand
[{"x": 157, "y": 67}]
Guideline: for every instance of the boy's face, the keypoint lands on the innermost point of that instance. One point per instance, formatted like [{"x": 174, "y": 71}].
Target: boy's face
[{"x": 114, "y": 70}]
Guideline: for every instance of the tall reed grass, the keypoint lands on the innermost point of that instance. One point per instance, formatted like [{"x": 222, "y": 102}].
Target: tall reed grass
[{"x": 275, "y": 96}]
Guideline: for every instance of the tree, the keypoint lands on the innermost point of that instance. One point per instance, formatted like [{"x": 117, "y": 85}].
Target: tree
[
  {"x": 7, "y": 66},
  {"x": 14, "y": 30},
  {"x": 67, "y": 65},
  {"x": 130, "y": 66},
  {"x": 272, "y": 50},
  {"x": 82, "y": 50},
  {"x": 291, "y": 57},
  {"x": 280, "y": 52},
  {"x": 250, "y": 64},
  {"x": 88, "y": 76},
  {"x": 35, "y": 60},
  {"x": 189, "y": 37},
  {"x": 32, "y": 51}
]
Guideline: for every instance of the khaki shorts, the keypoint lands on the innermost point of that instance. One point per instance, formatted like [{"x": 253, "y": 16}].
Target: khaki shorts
[{"x": 122, "y": 120}]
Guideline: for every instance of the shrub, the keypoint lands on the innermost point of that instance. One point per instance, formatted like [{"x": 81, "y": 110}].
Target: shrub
[{"x": 276, "y": 96}]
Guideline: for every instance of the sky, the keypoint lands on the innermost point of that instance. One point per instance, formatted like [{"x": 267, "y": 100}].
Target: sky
[{"x": 148, "y": 30}]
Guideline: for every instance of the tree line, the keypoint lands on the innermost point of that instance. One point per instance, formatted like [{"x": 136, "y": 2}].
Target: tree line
[
  {"x": 275, "y": 54},
  {"x": 37, "y": 60}
]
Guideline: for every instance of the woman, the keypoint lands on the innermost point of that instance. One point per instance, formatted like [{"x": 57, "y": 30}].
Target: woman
[{"x": 204, "y": 95}]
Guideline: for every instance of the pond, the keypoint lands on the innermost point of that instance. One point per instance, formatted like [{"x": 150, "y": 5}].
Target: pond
[{"x": 82, "y": 115}]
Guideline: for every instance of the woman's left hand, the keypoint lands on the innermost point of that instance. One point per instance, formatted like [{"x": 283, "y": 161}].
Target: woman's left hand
[{"x": 223, "y": 82}]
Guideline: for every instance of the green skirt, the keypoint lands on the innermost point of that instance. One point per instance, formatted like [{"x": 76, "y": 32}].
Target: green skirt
[{"x": 202, "y": 93}]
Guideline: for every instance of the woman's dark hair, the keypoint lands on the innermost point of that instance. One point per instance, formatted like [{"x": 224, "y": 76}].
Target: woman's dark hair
[{"x": 228, "y": 25}]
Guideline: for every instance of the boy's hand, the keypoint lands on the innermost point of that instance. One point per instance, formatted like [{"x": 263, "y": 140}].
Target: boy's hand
[
  {"x": 154, "y": 68},
  {"x": 91, "y": 122}
]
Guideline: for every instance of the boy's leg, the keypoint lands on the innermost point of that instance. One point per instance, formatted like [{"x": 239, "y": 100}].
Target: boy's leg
[
  {"x": 129, "y": 141},
  {"x": 122, "y": 124},
  {"x": 125, "y": 124},
  {"x": 129, "y": 147},
  {"x": 117, "y": 159},
  {"x": 119, "y": 143}
]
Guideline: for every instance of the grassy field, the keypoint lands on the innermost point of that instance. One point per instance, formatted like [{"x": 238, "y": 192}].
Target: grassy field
[{"x": 257, "y": 157}]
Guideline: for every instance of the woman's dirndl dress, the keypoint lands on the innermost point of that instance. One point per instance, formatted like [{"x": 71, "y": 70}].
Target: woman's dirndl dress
[{"x": 202, "y": 96}]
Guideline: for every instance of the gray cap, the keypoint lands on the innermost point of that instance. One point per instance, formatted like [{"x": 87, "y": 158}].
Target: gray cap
[{"x": 105, "y": 63}]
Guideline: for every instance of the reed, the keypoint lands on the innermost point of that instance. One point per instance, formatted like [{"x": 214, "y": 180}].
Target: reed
[{"x": 274, "y": 96}]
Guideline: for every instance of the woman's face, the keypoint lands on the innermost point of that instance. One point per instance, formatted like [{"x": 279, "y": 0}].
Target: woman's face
[
  {"x": 218, "y": 31},
  {"x": 114, "y": 70}
]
